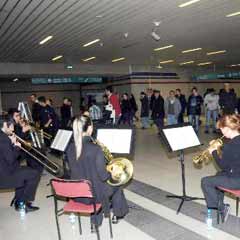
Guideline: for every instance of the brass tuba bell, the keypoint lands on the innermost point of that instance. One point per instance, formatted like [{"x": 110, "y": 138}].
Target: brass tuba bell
[
  {"x": 121, "y": 169},
  {"x": 205, "y": 156}
]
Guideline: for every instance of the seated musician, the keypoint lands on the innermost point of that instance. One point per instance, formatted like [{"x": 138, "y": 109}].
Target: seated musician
[
  {"x": 229, "y": 162},
  {"x": 86, "y": 161},
  {"x": 24, "y": 179}
]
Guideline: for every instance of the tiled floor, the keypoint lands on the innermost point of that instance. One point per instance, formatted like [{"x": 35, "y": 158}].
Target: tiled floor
[{"x": 152, "y": 215}]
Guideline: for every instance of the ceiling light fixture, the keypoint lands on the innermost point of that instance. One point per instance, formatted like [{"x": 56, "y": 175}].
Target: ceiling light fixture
[
  {"x": 118, "y": 59},
  {"x": 69, "y": 67},
  {"x": 188, "y": 3},
  {"x": 233, "y": 14},
  {"x": 167, "y": 61},
  {"x": 57, "y": 57},
  {"x": 192, "y": 50},
  {"x": 218, "y": 52},
  {"x": 234, "y": 65},
  {"x": 15, "y": 79},
  {"x": 91, "y": 43},
  {"x": 162, "y": 48},
  {"x": 89, "y": 59},
  {"x": 185, "y": 63},
  {"x": 204, "y": 63},
  {"x": 159, "y": 66},
  {"x": 45, "y": 40}
]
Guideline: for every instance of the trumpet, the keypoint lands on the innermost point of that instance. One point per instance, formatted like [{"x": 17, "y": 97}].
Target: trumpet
[
  {"x": 121, "y": 169},
  {"x": 49, "y": 165},
  {"x": 206, "y": 156}
]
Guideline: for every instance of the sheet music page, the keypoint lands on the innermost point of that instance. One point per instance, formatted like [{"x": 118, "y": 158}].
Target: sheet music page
[
  {"x": 181, "y": 137},
  {"x": 61, "y": 140},
  {"x": 116, "y": 140}
]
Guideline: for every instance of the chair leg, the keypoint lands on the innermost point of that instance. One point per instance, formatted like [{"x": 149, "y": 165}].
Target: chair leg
[
  {"x": 97, "y": 231},
  {"x": 56, "y": 217},
  {"x": 237, "y": 206},
  {"x": 79, "y": 224},
  {"x": 110, "y": 225}
]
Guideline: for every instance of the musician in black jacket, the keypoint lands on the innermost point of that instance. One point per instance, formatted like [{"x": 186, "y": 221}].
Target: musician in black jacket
[
  {"x": 229, "y": 163},
  {"x": 87, "y": 161},
  {"x": 24, "y": 179}
]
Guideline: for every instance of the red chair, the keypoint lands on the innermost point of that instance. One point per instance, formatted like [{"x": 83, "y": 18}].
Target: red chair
[
  {"x": 235, "y": 193},
  {"x": 68, "y": 190}
]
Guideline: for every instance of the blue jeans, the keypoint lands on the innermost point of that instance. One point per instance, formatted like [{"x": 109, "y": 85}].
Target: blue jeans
[
  {"x": 211, "y": 114},
  {"x": 194, "y": 120},
  {"x": 145, "y": 122},
  {"x": 171, "y": 119}
]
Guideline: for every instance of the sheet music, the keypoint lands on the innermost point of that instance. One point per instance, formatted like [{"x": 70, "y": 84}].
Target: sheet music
[
  {"x": 116, "y": 140},
  {"x": 61, "y": 140},
  {"x": 181, "y": 137}
]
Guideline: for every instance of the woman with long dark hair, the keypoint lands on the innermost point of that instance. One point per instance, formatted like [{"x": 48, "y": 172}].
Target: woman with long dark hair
[{"x": 87, "y": 161}]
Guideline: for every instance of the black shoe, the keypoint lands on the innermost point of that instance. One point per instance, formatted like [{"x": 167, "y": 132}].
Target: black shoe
[
  {"x": 115, "y": 219},
  {"x": 30, "y": 207},
  {"x": 225, "y": 212},
  {"x": 206, "y": 131}
]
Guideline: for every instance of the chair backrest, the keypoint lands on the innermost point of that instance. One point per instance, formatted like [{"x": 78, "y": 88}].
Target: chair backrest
[{"x": 72, "y": 189}]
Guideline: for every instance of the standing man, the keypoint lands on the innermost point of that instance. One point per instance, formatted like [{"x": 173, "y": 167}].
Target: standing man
[
  {"x": 172, "y": 108},
  {"x": 35, "y": 108},
  {"x": 144, "y": 110},
  {"x": 65, "y": 111},
  {"x": 183, "y": 102},
  {"x": 24, "y": 179},
  {"x": 114, "y": 101},
  {"x": 194, "y": 108},
  {"x": 227, "y": 100},
  {"x": 211, "y": 104},
  {"x": 158, "y": 110}
]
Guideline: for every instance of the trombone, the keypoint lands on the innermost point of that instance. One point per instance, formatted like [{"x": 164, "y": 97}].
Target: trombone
[{"x": 49, "y": 165}]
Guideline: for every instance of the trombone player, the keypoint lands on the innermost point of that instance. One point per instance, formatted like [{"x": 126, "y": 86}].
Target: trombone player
[
  {"x": 86, "y": 161},
  {"x": 229, "y": 163}
]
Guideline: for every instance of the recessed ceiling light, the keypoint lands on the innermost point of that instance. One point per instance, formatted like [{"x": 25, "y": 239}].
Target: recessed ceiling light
[
  {"x": 233, "y": 14},
  {"x": 69, "y": 67},
  {"x": 99, "y": 16},
  {"x": 188, "y": 3},
  {"x": 57, "y": 57},
  {"x": 218, "y": 52},
  {"x": 89, "y": 59},
  {"x": 167, "y": 61},
  {"x": 185, "y": 63},
  {"x": 91, "y": 43},
  {"x": 204, "y": 63},
  {"x": 118, "y": 59},
  {"x": 15, "y": 79},
  {"x": 46, "y": 40},
  {"x": 162, "y": 48},
  {"x": 159, "y": 67},
  {"x": 192, "y": 50}
]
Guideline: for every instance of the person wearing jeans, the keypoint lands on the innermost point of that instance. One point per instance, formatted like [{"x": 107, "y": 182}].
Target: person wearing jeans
[
  {"x": 144, "y": 110},
  {"x": 211, "y": 102}
]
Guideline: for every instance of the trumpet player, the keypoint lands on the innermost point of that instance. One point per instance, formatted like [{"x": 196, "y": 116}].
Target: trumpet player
[
  {"x": 24, "y": 179},
  {"x": 229, "y": 163},
  {"x": 86, "y": 161}
]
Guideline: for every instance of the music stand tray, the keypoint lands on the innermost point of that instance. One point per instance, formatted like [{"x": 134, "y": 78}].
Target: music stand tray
[{"x": 179, "y": 137}]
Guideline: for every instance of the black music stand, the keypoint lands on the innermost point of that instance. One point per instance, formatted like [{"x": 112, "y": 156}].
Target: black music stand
[{"x": 179, "y": 137}]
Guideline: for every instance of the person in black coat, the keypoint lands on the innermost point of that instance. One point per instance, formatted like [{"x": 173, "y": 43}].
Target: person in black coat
[
  {"x": 229, "y": 163},
  {"x": 24, "y": 179},
  {"x": 158, "y": 110},
  {"x": 86, "y": 161},
  {"x": 126, "y": 110},
  {"x": 35, "y": 108},
  {"x": 182, "y": 99},
  {"x": 134, "y": 107},
  {"x": 65, "y": 111},
  {"x": 144, "y": 110}
]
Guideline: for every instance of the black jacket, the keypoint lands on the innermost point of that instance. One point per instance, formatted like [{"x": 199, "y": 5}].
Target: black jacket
[
  {"x": 183, "y": 102},
  {"x": 125, "y": 106},
  {"x": 158, "y": 108},
  {"x": 229, "y": 162},
  {"x": 194, "y": 110},
  {"x": 35, "y": 111},
  {"x": 228, "y": 101},
  {"x": 144, "y": 107}
]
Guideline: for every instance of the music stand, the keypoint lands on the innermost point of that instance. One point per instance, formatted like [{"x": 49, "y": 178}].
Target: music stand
[{"x": 178, "y": 138}]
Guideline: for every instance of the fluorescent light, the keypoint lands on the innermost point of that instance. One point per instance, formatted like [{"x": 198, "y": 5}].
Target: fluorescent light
[
  {"x": 192, "y": 50},
  {"x": 167, "y": 61},
  {"x": 234, "y": 65},
  {"x": 89, "y": 59},
  {"x": 159, "y": 67},
  {"x": 91, "y": 43},
  {"x": 185, "y": 63},
  {"x": 57, "y": 57},
  {"x": 162, "y": 48},
  {"x": 46, "y": 40},
  {"x": 188, "y": 3},
  {"x": 69, "y": 67},
  {"x": 204, "y": 63},
  {"x": 233, "y": 14},
  {"x": 15, "y": 79},
  {"x": 118, "y": 59},
  {"x": 218, "y": 52}
]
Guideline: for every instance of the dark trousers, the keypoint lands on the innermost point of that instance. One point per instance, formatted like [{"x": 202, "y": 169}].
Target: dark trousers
[
  {"x": 180, "y": 118},
  {"x": 25, "y": 181},
  {"x": 214, "y": 196},
  {"x": 159, "y": 122}
]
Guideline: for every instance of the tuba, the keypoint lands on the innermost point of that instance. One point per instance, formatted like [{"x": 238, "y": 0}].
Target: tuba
[
  {"x": 205, "y": 156},
  {"x": 121, "y": 169}
]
